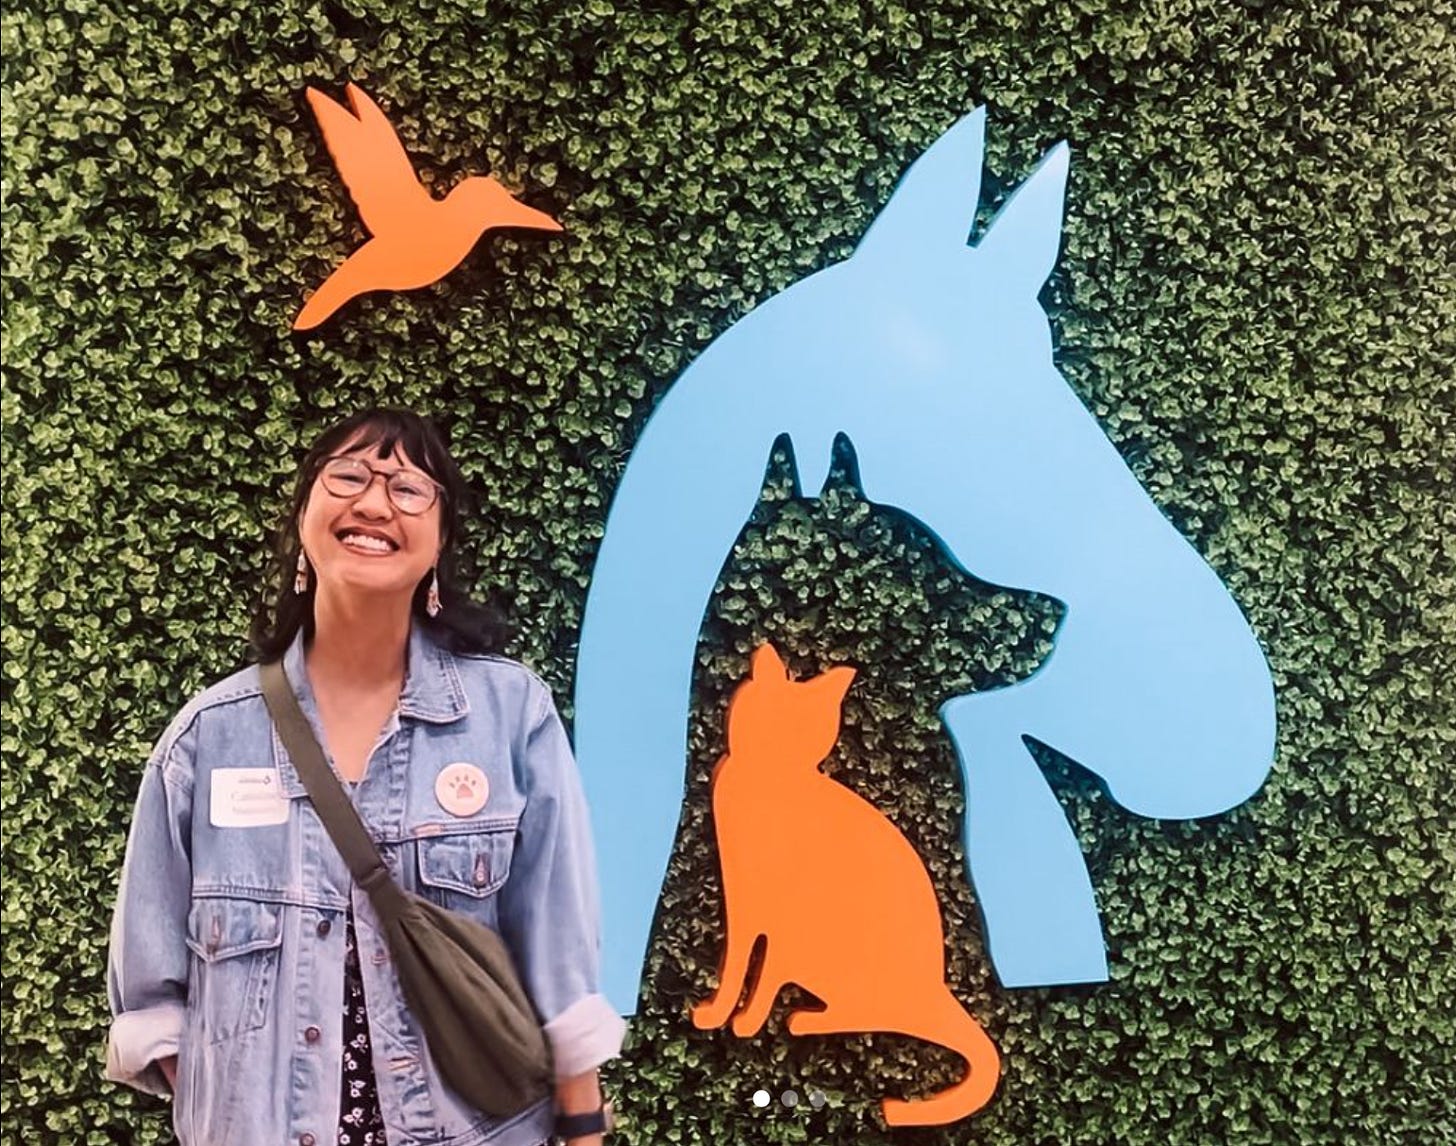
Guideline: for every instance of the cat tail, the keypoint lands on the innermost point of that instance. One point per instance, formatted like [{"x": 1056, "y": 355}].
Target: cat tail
[{"x": 957, "y": 1030}]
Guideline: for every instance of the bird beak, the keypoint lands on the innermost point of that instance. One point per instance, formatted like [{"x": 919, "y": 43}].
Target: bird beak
[{"x": 522, "y": 216}]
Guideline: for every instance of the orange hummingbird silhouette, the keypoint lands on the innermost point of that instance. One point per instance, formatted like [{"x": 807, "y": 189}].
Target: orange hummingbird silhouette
[{"x": 417, "y": 239}]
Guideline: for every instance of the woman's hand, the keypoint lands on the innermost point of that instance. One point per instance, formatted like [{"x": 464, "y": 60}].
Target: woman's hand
[{"x": 169, "y": 1070}]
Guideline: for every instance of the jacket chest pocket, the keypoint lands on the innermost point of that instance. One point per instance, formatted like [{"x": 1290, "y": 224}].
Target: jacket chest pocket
[
  {"x": 463, "y": 871},
  {"x": 236, "y": 943}
]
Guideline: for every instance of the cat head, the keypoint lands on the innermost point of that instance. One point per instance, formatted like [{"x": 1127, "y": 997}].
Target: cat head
[{"x": 791, "y": 721}]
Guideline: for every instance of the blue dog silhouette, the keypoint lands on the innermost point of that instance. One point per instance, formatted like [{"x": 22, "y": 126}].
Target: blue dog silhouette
[{"x": 934, "y": 358}]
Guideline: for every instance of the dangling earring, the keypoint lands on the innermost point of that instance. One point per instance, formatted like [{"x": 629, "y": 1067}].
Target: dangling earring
[
  {"x": 432, "y": 598},
  {"x": 300, "y": 577}
]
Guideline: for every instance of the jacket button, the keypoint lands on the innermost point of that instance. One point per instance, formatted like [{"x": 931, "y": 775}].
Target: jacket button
[
  {"x": 324, "y": 928},
  {"x": 312, "y": 1035},
  {"x": 306, "y": 1139}
]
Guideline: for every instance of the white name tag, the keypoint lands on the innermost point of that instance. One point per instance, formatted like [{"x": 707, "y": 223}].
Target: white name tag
[{"x": 247, "y": 798}]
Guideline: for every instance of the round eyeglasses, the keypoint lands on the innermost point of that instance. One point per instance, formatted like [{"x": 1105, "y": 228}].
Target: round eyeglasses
[{"x": 410, "y": 491}]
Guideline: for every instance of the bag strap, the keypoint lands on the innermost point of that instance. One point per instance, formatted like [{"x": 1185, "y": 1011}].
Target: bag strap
[{"x": 326, "y": 791}]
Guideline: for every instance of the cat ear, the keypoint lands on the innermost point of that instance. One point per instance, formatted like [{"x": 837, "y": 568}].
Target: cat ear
[
  {"x": 767, "y": 664},
  {"x": 836, "y": 681}
]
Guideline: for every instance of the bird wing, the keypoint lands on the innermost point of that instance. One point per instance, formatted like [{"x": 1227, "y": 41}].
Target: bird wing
[{"x": 370, "y": 159}]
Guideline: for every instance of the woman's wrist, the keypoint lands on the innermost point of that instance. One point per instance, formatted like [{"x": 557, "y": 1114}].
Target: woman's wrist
[
  {"x": 585, "y": 1128},
  {"x": 582, "y": 1117}
]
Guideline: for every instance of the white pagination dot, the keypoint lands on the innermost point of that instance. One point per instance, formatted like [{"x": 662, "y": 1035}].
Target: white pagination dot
[
  {"x": 817, "y": 1099},
  {"x": 790, "y": 1099},
  {"x": 761, "y": 1098}
]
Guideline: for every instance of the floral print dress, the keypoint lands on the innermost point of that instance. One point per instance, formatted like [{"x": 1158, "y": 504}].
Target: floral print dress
[{"x": 360, "y": 1122}]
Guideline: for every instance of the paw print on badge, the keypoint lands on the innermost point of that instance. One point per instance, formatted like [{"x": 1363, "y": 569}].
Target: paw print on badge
[{"x": 462, "y": 789}]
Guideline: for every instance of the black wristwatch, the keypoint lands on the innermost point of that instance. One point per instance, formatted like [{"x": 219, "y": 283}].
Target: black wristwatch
[
  {"x": 570, "y": 1126},
  {"x": 575, "y": 1126}
]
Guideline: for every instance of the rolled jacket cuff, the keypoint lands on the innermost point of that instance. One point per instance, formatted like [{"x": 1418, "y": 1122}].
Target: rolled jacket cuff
[
  {"x": 140, "y": 1038},
  {"x": 585, "y": 1035}
]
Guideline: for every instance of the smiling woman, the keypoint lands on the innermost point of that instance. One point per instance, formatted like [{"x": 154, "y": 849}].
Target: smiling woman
[
  {"x": 337, "y": 493},
  {"x": 249, "y": 973}
]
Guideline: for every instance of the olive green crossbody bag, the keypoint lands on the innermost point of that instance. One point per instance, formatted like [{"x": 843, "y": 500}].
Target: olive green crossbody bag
[{"x": 456, "y": 973}]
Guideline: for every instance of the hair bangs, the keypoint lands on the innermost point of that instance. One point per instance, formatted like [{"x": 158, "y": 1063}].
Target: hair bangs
[{"x": 383, "y": 431}]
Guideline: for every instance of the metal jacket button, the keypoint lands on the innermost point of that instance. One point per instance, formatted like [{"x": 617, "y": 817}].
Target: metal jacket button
[
  {"x": 324, "y": 928},
  {"x": 312, "y": 1035},
  {"x": 306, "y": 1139}
]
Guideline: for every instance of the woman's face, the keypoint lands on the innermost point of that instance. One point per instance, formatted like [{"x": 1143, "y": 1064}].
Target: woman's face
[{"x": 361, "y": 542}]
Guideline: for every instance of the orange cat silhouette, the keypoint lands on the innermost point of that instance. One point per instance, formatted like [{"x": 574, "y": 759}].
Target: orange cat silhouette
[{"x": 841, "y": 898}]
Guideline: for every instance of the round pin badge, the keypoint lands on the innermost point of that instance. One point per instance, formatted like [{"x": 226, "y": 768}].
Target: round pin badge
[{"x": 462, "y": 789}]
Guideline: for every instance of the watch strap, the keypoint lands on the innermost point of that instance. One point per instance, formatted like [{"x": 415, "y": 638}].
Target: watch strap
[{"x": 579, "y": 1125}]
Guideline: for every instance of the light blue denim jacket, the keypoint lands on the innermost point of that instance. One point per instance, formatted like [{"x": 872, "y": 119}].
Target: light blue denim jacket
[{"x": 227, "y": 947}]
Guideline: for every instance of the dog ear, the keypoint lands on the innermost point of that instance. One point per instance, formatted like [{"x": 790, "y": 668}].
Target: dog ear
[
  {"x": 935, "y": 202},
  {"x": 1024, "y": 237}
]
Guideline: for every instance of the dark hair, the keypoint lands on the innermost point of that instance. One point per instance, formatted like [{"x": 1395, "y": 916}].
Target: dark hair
[{"x": 462, "y": 625}]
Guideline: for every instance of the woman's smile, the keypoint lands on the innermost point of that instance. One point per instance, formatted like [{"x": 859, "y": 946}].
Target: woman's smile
[{"x": 369, "y": 542}]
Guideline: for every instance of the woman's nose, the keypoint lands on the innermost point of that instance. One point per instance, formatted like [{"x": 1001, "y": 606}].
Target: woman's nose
[{"x": 374, "y": 500}]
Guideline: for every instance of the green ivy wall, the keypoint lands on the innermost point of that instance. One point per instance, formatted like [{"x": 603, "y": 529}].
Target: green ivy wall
[{"x": 1254, "y": 297}]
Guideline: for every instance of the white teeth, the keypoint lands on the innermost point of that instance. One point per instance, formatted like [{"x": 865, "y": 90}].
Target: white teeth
[{"x": 363, "y": 541}]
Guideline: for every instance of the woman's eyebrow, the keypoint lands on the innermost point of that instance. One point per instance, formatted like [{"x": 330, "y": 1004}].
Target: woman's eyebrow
[{"x": 402, "y": 468}]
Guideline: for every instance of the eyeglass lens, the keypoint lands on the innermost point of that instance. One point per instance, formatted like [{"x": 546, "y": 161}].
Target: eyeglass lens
[{"x": 350, "y": 477}]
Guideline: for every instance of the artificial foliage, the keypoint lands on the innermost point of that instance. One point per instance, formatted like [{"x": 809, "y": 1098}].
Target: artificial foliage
[{"x": 1254, "y": 298}]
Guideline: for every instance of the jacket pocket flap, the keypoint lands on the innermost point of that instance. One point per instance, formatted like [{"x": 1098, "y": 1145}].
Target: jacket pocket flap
[
  {"x": 220, "y": 929},
  {"x": 475, "y": 864}
]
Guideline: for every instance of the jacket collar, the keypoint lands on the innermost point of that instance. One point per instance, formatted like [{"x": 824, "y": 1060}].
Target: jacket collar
[
  {"x": 433, "y": 692},
  {"x": 432, "y": 687}
]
